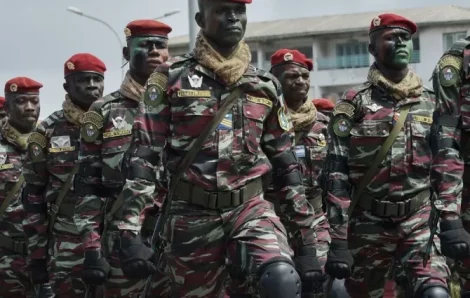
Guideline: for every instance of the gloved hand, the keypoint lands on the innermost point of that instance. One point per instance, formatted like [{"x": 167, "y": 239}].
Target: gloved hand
[
  {"x": 340, "y": 261},
  {"x": 39, "y": 273},
  {"x": 455, "y": 241},
  {"x": 309, "y": 269},
  {"x": 95, "y": 268},
  {"x": 137, "y": 259}
]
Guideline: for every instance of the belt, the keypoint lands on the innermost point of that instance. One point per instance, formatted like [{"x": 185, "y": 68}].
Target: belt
[
  {"x": 196, "y": 195},
  {"x": 18, "y": 247},
  {"x": 393, "y": 209}
]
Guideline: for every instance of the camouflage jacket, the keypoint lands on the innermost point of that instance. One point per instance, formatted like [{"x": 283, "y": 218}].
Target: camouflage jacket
[
  {"x": 370, "y": 115},
  {"x": 451, "y": 81},
  {"x": 45, "y": 174},
  {"x": 254, "y": 135},
  {"x": 105, "y": 138}
]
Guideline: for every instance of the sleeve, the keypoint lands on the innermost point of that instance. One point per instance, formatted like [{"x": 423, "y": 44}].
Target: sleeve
[
  {"x": 150, "y": 130},
  {"x": 35, "y": 223},
  {"x": 296, "y": 213},
  {"x": 447, "y": 166},
  {"x": 336, "y": 170},
  {"x": 88, "y": 180}
]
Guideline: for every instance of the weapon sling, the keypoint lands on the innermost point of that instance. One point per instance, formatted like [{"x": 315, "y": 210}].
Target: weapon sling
[
  {"x": 372, "y": 170},
  {"x": 188, "y": 159},
  {"x": 10, "y": 195}
]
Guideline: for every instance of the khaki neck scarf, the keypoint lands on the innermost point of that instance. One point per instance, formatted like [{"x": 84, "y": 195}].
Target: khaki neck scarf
[
  {"x": 14, "y": 137},
  {"x": 230, "y": 69},
  {"x": 131, "y": 89},
  {"x": 72, "y": 113},
  {"x": 305, "y": 115},
  {"x": 410, "y": 86}
]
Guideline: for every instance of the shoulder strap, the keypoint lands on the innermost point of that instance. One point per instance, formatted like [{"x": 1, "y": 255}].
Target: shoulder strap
[
  {"x": 10, "y": 195},
  {"x": 189, "y": 157},
  {"x": 55, "y": 207},
  {"x": 372, "y": 170}
]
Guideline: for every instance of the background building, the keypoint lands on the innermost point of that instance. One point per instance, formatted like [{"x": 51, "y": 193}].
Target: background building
[{"x": 338, "y": 43}]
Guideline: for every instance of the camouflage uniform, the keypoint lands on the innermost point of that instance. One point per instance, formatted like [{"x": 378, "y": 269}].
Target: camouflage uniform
[
  {"x": 451, "y": 80},
  {"x": 45, "y": 176},
  {"x": 391, "y": 221},
  {"x": 14, "y": 272},
  {"x": 105, "y": 139}
]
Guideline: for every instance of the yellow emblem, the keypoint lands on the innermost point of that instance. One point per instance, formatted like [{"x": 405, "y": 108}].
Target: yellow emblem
[
  {"x": 344, "y": 108},
  {"x": 36, "y": 144},
  {"x": 13, "y": 87},
  {"x": 70, "y": 65},
  {"x": 92, "y": 124},
  {"x": 127, "y": 32},
  {"x": 288, "y": 57},
  {"x": 376, "y": 21},
  {"x": 260, "y": 100}
]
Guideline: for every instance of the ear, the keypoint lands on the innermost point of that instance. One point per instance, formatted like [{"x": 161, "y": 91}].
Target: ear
[
  {"x": 199, "y": 17},
  {"x": 125, "y": 53}
]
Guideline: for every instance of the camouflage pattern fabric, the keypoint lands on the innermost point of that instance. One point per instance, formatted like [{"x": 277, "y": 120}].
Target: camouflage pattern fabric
[
  {"x": 181, "y": 99},
  {"x": 361, "y": 122},
  {"x": 45, "y": 173},
  {"x": 14, "y": 274}
]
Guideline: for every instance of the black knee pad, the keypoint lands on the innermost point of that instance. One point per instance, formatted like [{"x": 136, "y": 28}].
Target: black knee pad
[
  {"x": 433, "y": 292},
  {"x": 279, "y": 279}
]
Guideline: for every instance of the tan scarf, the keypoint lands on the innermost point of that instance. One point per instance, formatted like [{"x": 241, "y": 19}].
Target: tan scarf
[
  {"x": 410, "y": 86},
  {"x": 305, "y": 115},
  {"x": 14, "y": 137},
  {"x": 131, "y": 89},
  {"x": 230, "y": 69},
  {"x": 72, "y": 113}
]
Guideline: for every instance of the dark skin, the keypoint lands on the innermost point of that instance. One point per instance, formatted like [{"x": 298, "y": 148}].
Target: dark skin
[
  {"x": 295, "y": 81},
  {"x": 392, "y": 49},
  {"x": 222, "y": 23},
  {"x": 23, "y": 111},
  {"x": 84, "y": 88},
  {"x": 145, "y": 54}
]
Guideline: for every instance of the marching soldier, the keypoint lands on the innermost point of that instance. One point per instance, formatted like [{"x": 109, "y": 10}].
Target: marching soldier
[
  {"x": 22, "y": 107},
  {"x": 379, "y": 148},
  {"x": 105, "y": 139},
  {"x": 223, "y": 126},
  {"x": 49, "y": 173},
  {"x": 324, "y": 106}
]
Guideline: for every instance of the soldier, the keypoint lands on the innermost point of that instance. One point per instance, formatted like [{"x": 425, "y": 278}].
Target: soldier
[
  {"x": 292, "y": 69},
  {"x": 3, "y": 113},
  {"x": 219, "y": 222},
  {"x": 387, "y": 168},
  {"x": 451, "y": 80},
  {"x": 324, "y": 106},
  {"x": 48, "y": 176},
  {"x": 22, "y": 107},
  {"x": 105, "y": 139}
]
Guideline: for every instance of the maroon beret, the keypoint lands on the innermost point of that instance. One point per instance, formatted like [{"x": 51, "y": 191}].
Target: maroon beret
[
  {"x": 2, "y": 102},
  {"x": 147, "y": 28},
  {"x": 323, "y": 104},
  {"x": 286, "y": 56},
  {"x": 21, "y": 85},
  {"x": 390, "y": 20},
  {"x": 83, "y": 62}
]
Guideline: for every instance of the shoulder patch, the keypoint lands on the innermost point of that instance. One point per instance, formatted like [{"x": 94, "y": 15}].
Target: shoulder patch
[
  {"x": 449, "y": 70},
  {"x": 156, "y": 89},
  {"x": 36, "y": 145},
  {"x": 344, "y": 108},
  {"x": 342, "y": 126},
  {"x": 350, "y": 94},
  {"x": 92, "y": 123},
  {"x": 283, "y": 119}
]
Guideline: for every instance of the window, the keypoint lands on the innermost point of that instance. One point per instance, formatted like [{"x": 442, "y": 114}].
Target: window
[
  {"x": 415, "y": 58},
  {"x": 450, "y": 38},
  {"x": 254, "y": 58},
  {"x": 352, "y": 55}
]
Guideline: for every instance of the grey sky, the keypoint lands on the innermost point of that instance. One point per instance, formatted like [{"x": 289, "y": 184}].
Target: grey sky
[{"x": 39, "y": 37}]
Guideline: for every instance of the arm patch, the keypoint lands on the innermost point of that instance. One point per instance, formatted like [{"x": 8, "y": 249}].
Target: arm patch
[
  {"x": 36, "y": 145},
  {"x": 344, "y": 108},
  {"x": 449, "y": 70},
  {"x": 92, "y": 123},
  {"x": 156, "y": 89}
]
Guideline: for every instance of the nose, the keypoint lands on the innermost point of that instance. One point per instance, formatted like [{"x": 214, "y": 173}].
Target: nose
[
  {"x": 30, "y": 106},
  {"x": 153, "y": 50},
  {"x": 232, "y": 16}
]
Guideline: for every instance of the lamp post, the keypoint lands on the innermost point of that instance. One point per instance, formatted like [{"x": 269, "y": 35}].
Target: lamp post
[{"x": 192, "y": 9}]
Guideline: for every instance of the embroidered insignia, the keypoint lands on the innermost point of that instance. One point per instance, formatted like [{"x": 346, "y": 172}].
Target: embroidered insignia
[
  {"x": 127, "y": 32},
  {"x": 13, "y": 87},
  {"x": 156, "y": 89},
  {"x": 194, "y": 93},
  {"x": 376, "y": 21},
  {"x": 195, "y": 81},
  {"x": 283, "y": 119},
  {"x": 120, "y": 128},
  {"x": 342, "y": 126},
  {"x": 374, "y": 107},
  {"x": 227, "y": 123},
  {"x": 92, "y": 123},
  {"x": 70, "y": 65},
  {"x": 288, "y": 57},
  {"x": 422, "y": 119},
  {"x": 61, "y": 144},
  {"x": 260, "y": 100},
  {"x": 344, "y": 108},
  {"x": 36, "y": 145},
  {"x": 448, "y": 76}
]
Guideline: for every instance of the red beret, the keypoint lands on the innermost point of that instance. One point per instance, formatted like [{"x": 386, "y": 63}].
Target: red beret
[
  {"x": 147, "y": 28},
  {"x": 323, "y": 104},
  {"x": 284, "y": 56},
  {"x": 390, "y": 20},
  {"x": 242, "y": 1},
  {"x": 2, "y": 102},
  {"x": 21, "y": 85},
  {"x": 83, "y": 62}
]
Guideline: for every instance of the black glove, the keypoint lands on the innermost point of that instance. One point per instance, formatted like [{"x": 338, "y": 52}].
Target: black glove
[
  {"x": 95, "y": 268},
  {"x": 39, "y": 273},
  {"x": 340, "y": 261},
  {"x": 455, "y": 241},
  {"x": 137, "y": 259},
  {"x": 309, "y": 269}
]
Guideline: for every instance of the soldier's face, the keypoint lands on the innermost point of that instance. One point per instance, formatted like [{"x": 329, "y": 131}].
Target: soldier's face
[
  {"x": 295, "y": 81},
  {"x": 146, "y": 54},
  {"x": 224, "y": 22},
  {"x": 23, "y": 111},
  {"x": 84, "y": 88},
  {"x": 394, "y": 48}
]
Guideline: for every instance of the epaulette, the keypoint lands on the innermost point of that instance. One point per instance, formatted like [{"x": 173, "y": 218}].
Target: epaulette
[
  {"x": 351, "y": 93},
  {"x": 52, "y": 119},
  {"x": 179, "y": 60},
  {"x": 269, "y": 77}
]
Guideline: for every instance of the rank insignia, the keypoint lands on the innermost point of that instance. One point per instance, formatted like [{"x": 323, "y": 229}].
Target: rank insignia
[
  {"x": 374, "y": 107},
  {"x": 127, "y": 32},
  {"x": 70, "y": 65},
  {"x": 92, "y": 123},
  {"x": 342, "y": 126},
  {"x": 226, "y": 123},
  {"x": 36, "y": 144},
  {"x": 13, "y": 87},
  {"x": 448, "y": 76},
  {"x": 195, "y": 81},
  {"x": 288, "y": 57},
  {"x": 61, "y": 144},
  {"x": 283, "y": 119},
  {"x": 344, "y": 108},
  {"x": 376, "y": 21}
]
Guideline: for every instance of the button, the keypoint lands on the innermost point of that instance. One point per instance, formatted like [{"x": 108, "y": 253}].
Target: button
[
  {"x": 211, "y": 110},
  {"x": 438, "y": 202}
]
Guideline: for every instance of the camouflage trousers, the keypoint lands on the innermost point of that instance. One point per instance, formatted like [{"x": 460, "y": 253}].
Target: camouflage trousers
[
  {"x": 379, "y": 245},
  {"x": 14, "y": 276},
  {"x": 322, "y": 229},
  {"x": 206, "y": 246},
  {"x": 462, "y": 267}
]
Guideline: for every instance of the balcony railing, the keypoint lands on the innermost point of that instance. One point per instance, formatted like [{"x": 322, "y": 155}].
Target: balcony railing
[{"x": 339, "y": 62}]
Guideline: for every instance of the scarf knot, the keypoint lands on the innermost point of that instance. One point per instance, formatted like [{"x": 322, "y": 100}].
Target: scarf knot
[
  {"x": 305, "y": 115},
  {"x": 14, "y": 137},
  {"x": 72, "y": 112}
]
